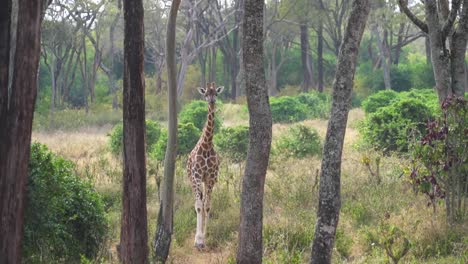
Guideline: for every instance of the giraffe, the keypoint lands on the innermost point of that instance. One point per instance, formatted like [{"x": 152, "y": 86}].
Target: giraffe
[{"x": 203, "y": 164}]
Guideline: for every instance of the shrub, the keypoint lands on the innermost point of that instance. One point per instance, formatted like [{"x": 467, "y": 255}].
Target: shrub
[
  {"x": 287, "y": 109},
  {"x": 187, "y": 138},
  {"x": 195, "y": 112},
  {"x": 299, "y": 142},
  {"x": 378, "y": 100},
  {"x": 318, "y": 104},
  {"x": 233, "y": 142},
  {"x": 64, "y": 216},
  {"x": 153, "y": 132},
  {"x": 390, "y": 127}
]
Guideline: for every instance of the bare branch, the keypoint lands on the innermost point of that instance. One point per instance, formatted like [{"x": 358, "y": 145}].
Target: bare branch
[{"x": 403, "y": 4}]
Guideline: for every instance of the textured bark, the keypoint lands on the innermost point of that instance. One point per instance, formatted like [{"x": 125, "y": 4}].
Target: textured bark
[
  {"x": 16, "y": 115},
  {"x": 251, "y": 214},
  {"x": 162, "y": 240},
  {"x": 329, "y": 193},
  {"x": 458, "y": 51},
  {"x": 133, "y": 235}
]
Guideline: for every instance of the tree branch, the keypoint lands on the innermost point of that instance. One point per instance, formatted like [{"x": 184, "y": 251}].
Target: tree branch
[
  {"x": 403, "y": 4},
  {"x": 447, "y": 27}
]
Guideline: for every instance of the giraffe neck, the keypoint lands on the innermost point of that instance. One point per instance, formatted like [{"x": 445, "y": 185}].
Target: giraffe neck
[{"x": 208, "y": 129}]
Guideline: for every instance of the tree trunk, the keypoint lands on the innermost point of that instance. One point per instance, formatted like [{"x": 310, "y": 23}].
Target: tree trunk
[
  {"x": 427, "y": 45},
  {"x": 458, "y": 50},
  {"x": 383, "y": 58},
  {"x": 329, "y": 193},
  {"x": 133, "y": 235},
  {"x": 320, "y": 56},
  {"x": 304, "y": 57},
  {"x": 399, "y": 45},
  {"x": 260, "y": 131},
  {"x": 162, "y": 240},
  {"x": 112, "y": 85},
  {"x": 16, "y": 116}
]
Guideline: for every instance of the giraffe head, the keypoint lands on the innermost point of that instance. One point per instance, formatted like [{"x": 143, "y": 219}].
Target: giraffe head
[{"x": 210, "y": 92}]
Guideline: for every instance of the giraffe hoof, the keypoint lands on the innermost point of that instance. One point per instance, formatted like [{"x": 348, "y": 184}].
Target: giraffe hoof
[{"x": 199, "y": 246}]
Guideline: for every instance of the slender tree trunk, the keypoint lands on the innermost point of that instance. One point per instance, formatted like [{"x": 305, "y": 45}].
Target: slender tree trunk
[
  {"x": 250, "y": 231},
  {"x": 320, "y": 56},
  {"x": 329, "y": 193},
  {"x": 304, "y": 50},
  {"x": 162, "y": 240},
  {"x": 458, "y": 52},
  {"x": 213, "y": 64},
  {"x": 399, "y": 45},
  {"x": 133, "y": 235},
  {"x": 112, "y": 85},
  {"x": 383, "y": 58},
  {"x": 16, "y": 116}
]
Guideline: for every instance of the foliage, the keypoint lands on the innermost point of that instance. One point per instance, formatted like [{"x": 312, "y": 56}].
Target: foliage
[
  {"x": 153, "y": 132},
  {"x": 233, "y": 142},
  {"x": 440, "y": 158},
  {"x": 378, "y": 100},
  {"x": 390, "y": 127},
  {"x": 196, "y": 112},
  {"x": 390, "y": 238},
  {"x": 187, "y": 138},
  {"x": 318, "y": 104},
  {"x": 286, "y": 109},
  {"x": 299, "y": 142},
  {"x": 64, "y": 217}
]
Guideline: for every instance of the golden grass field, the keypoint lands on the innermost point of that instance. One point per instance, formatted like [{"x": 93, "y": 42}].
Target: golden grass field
[{"x": 290, "y": 203}]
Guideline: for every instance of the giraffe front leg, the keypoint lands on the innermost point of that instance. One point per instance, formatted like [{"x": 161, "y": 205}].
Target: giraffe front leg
[
  {"x": 197, "y": 190},
  {"x": 207, "y": 205}
]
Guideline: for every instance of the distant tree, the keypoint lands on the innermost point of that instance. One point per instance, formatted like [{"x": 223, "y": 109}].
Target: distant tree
[
  {"x": 260, "y": 131},
  {"x": 448, "y": 37},
  {"x": 162, "y": 240},
  {"x": 16, "y": 115},
  {"x": 133, "y": 235},
  {"x": 329, "y": 193}
]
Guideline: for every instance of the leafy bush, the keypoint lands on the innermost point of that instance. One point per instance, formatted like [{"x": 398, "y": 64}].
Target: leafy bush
[
  {"x": 233, "y": 142},
  {"x": 187, "y": 138},
  {"x": 286, "y": 109},
  {"x": 318, "y": 104},
  {"x": 153, "y": 132},
  {"x": 299, "y": 142},
  {"x": 196, "y": 112},
  {"x": 64, "y": 216},
  {"x": 378, "y": 100},
  {"x": 390, "y": 127}
]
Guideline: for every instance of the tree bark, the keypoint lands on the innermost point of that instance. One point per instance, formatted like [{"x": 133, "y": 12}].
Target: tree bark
[
  {"x": 329, "y": 193},
  {"x": 320, "y": 56},
  {"x": 383, "y": 58},
  {"x": 458, "y": 51},
  {"x": 16, "y": 116},
  {"x": 260, "y": 131},
  {"x": 427, "y": 45},
  {"x": 306, "y": 82},
  {"x": 133, "y": 235},
  {"x": 162, "y": 240}
]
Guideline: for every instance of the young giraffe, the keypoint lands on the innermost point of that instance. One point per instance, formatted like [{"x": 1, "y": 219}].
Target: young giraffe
[{"x": 202, "y": 166}]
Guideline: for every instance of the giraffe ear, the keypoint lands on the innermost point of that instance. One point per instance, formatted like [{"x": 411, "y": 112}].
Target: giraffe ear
[
  {"x": 219, "y": 89},
  {"x": 201, "y": 90}
]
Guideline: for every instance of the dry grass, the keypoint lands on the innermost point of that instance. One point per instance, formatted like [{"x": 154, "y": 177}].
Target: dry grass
[{"x": 290, "y": 196}]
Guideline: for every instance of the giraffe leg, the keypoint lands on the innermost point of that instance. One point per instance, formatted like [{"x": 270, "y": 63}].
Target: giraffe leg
[
  {"x": 197, "y": 191},
  {"x": 207, "y": 204}
]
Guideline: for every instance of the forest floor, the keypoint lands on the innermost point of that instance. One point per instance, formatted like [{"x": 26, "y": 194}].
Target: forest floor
[{"x": 370, "y": 210}]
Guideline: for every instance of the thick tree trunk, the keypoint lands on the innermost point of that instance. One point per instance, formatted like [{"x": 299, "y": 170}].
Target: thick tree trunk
[
  {"x": 329, "y": 193},
  {"x": 133, "y": 235},
  {"x": 458, "y": 51},
  {"x": 306, "y": 82},
  {"x": 427, "y": 45},
  {"x": 250, "y": 231},
  {"x": 320, "y": 56},
  {"x": 162, "y": 240},
  {"x": 16, "y": 116}
]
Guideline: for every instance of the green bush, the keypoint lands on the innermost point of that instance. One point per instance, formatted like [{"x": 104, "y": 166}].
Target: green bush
[
  {"x": 318, "y": 104},
  {"x": 187, "y": 138},
  {"x": 64, "y": 215},
  {"x": 378, "y": 100},
  {"x": 233, "y": 142},
  {"x": 299, "y": 142},
  {"x": 153, "y": 132},
  {"x": 391, "y": 127},
  {"x": 286, "y": 109},
  {"x": 196, "y": 112}
]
